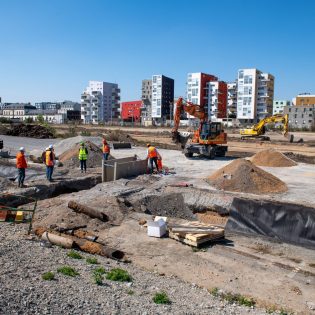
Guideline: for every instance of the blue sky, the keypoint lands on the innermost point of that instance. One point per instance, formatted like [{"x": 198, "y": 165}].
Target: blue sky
[{"x": 49, "y": 50}]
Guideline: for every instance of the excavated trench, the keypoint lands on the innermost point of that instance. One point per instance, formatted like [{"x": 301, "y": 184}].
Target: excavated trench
[{"x": 286, "y": 222}]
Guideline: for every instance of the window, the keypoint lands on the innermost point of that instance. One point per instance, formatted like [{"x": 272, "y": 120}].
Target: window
[
  {"x": 289, "y": 110},
  {"x": 310, "y": 121},
  {"x": 295, "y": 116},
  {"x": 241, "y": 74},
  {"x": 310, "y": 115}
]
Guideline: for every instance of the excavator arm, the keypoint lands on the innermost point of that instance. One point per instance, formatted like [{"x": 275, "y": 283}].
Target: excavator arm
[
  {"x": 190, "y": 108},
  {"x": 259, "y": 129}
]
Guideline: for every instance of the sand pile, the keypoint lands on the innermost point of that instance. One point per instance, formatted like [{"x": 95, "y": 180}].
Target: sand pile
[
  {"x": 70, "y": 158},
  {"x": 273, "y": 158},
  {"x": 243, "y": 176}
]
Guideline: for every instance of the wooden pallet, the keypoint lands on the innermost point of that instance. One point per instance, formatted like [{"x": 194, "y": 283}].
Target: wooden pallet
[{"x": 192, "y": 236}]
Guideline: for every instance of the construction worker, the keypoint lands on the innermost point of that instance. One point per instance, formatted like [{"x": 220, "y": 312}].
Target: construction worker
[
  {"x": 106, "y": 149},
  {"x": 152, "y": 155},
  {"x": 83, "y": 155},
  {"x": 21, "y": 165},
  {"x": 50, "y": 162}
]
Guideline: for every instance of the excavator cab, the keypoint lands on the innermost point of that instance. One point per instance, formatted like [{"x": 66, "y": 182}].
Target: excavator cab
[{"x": 210, "y": 130}]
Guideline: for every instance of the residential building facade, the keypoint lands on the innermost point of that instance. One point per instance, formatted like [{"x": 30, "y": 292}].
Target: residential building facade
[
  {"x": 255, "y": 91},
  {"x": 17, "y": 110},
  {"x": 131, "y": 111},
  {"x": 100, "y": 102},
  {"x": 162, "y": 97},
  {"x": 301, "y": 116},
  {"x": 217, "y": 99},
  {"x": 232, "y": 99},
  {"x": 304, "y": 99},
  {"x": 278, "y": 106},
  {"x": 146, "y": 96}
]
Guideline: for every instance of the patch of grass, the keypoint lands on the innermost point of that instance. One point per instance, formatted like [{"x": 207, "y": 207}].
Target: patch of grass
[
  {"x": 92, "y": 261},
  {"x": 130, "y": 292},
  {"x": 48, "y": 276},
  {"x": 85, "y": 133},
  {"x": 99, "y": 270},
  {"x": 68, "y": 271},
  {"x": 73, "y": 254},
  {"x": 214, "y": 291},
  {"x": 161, "y": 298},
  {"x": 118, "y": 274}
]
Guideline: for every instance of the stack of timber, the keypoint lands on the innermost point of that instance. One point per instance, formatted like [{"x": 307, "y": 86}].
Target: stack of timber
[{"x": 195, "y": 233}]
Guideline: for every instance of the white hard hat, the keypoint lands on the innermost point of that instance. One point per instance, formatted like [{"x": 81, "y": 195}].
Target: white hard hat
[
  {"x": 22, "y": 149},
  {"x": 51, "y": 146},
  {"x": 47, "y": 149}
]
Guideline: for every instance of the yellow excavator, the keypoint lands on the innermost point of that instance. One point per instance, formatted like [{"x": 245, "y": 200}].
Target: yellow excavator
[{"x": 257, "y": 131}]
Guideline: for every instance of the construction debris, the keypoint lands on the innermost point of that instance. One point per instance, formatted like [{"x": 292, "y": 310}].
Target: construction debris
[
  {"x": 93, "y": 213},
  {"x": 272, "y": 158},
  {"x": 57, "y": 240},
  {"x": 243, "y": 176},
  {"x": 195, "y": 233}
]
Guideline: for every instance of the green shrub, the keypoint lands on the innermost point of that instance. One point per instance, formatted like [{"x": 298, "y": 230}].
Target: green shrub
[
  {"x": 99, "y": 270},
  {"x": 67, "y": 271},
  {"x": 48, "y": 276},
  {"x": 118, "y": 274},
  {"x": 161, "y": 298},
  {"x": 98, "y": 278},
  {"x": 130, "y": 292},
  {"x": 92, "y": 261},
  {"x": 73, "y": 254},
  {"x": 214, "y": 291}
]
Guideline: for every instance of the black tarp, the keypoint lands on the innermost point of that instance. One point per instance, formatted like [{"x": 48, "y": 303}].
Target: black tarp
[{"x": 287, "y": 222}]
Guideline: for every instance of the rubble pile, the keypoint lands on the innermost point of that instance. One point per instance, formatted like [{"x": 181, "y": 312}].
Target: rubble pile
[
  {"x": 70, "y": 158},
  {"x": 272, "y": 158},
  {"x": 243, "y": 176},
  {"x": 118, "y": 136},
  {"x": 31, "y": 131}
]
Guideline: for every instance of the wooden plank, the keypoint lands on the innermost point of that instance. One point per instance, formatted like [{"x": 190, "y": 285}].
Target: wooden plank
[
  {"x": 191, "y": 242},
  {"x": 197, "y": 230}
]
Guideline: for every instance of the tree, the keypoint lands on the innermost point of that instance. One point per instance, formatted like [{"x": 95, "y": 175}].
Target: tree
[{"x": 40, "y": 119}]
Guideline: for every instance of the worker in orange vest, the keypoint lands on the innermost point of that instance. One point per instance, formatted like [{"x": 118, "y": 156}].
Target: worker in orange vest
[
  {"x": 50, "y": 162},
  {"x": 21, "y": 165},
  {"x": 152, "y": 155},
  {"x": 106, "y": 149}
]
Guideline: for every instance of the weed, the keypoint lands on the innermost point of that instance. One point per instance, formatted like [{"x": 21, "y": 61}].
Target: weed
[
  {"x": 214, "y": 291},
  {"x": 242, "y": 300},
  {"x": 48, "y": 276},
  {"x": 68, "y": 271},
  {"x": 85, "y": 133},
  {"x": 161, "y": 298},
  {"x": 98, "y": 278},
  {"x": 99, "y": 270},
  {"x": 92, "y": 261},
  {"x": 196, "y": 249},
  {"x": 75, "y": 255},
  {"x": 130, "y": 292},
  {"x": 118, "y": 274}
]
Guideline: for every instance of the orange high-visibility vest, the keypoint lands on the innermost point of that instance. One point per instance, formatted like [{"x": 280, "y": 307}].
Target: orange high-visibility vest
[
  {"x": 106, "y": 148},
  {"x": 49, "y": 158},
  {"x": 152, "y": 153},
  {"x": 20, "y": 160}
]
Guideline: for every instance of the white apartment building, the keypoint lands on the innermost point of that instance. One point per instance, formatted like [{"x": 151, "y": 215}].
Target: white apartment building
[
  {"x": 255, "y": 92},
  {"x": 278, "y": 106},
  {"x": 232, "y": 99},
  {"x": 100, "y": 102}
]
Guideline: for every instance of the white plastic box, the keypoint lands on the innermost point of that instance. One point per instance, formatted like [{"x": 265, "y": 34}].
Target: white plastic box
[{"x": 156, "y": 228}]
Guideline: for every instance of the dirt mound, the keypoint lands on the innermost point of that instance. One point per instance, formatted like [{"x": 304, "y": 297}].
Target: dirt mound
[
  {"x": 243, "y": 176},
  {"x": 31, "y": 131},
  {"x": 70, "y": 158},
  {"x": 117, "y": 135},
  {"x": 273, "y": 158}
]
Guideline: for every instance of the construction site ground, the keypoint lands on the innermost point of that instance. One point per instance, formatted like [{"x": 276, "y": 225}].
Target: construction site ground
[{"x": 277, "y": 275}]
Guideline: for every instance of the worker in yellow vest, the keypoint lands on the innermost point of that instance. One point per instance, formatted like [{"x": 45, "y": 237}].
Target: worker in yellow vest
[
  {"x": 152, "y": 155},
  {"x": 83, "y": 155},
  {"x": 49, "y": 161}
]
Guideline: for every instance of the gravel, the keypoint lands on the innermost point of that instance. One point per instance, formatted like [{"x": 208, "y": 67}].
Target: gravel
[{"x": 23, "y": 291}]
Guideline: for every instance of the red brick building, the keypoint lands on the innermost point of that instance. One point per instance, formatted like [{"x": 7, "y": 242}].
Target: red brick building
[{"x": 131, "y": 111}]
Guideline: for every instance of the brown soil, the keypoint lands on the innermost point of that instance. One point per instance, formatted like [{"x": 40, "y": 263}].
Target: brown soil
[
  {"x": 211, "y": 217},
  {"x": 31, "y": 131},
  {"x": 243, "y": 176},
  {"x": 273, "y": 158},
  {"x": 70, "y": 158}
]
